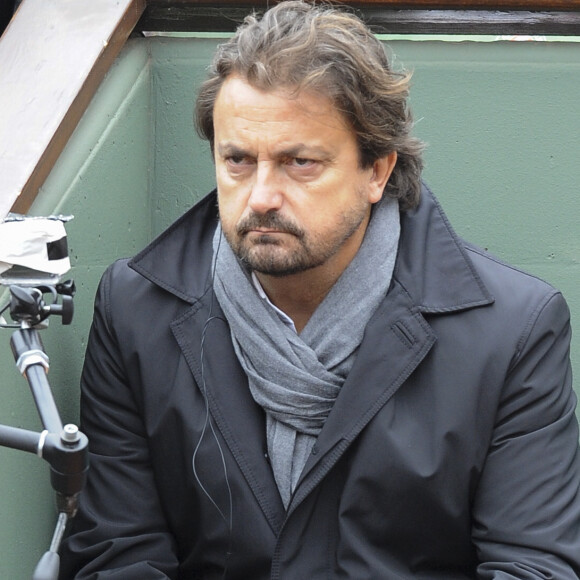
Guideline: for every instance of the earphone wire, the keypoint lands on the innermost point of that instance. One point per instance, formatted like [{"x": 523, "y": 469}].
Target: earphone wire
[{"x": 208, "y": 422}]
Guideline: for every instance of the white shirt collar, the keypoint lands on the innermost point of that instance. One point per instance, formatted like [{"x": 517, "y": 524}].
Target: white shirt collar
[{"x": 281, "y": 314}]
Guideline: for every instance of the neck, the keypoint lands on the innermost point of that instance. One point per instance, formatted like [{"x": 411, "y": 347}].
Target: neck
[{"x": 298, "y": 295}]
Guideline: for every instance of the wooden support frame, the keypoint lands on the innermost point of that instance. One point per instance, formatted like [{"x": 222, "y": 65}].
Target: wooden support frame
[{"x": 53, "y": 56}]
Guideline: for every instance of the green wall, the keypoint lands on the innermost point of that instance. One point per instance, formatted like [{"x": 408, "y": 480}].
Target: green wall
[{"x": 501, "y": 119}]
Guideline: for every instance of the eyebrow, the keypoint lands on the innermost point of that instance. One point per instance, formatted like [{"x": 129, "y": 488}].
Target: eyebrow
[
  {"x": 231, "y": 150},
  {"x": 298, "y": 150}
]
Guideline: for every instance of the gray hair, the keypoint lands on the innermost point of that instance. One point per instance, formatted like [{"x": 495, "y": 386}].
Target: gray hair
[{"x": 299, "y": 46}]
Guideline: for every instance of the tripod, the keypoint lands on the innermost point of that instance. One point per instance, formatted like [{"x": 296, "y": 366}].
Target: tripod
[{"x": 65, "y": 448}]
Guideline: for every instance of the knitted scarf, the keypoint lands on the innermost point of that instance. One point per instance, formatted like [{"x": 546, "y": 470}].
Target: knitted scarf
[{"x": 296, "y": 378}]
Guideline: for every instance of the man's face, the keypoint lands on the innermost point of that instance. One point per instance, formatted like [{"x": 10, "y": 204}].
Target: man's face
[{"x": 291, "y": 194}]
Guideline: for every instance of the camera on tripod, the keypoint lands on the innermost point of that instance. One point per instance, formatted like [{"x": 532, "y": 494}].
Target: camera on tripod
[{"x": 33, "y": 256}]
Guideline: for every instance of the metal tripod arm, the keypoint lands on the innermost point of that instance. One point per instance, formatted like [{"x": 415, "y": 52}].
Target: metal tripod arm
[{"x": 32, "y": 361}]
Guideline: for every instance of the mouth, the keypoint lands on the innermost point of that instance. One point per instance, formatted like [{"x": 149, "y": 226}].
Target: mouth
[
  {"x": 265, "y": 231},
  {"x": 267, "y": 225},
  {"x": 265, "y": 236}
]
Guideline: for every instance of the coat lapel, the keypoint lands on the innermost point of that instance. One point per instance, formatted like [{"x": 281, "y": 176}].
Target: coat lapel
[
  {"x": 433, "y": 274},
  {"x": 396, "y": 340},
  {"x": 239, "y": 419}
]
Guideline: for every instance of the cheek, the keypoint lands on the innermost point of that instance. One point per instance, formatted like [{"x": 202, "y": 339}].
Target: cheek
[
  {"x": 224, "y": 183},
  {"x": 231, "y": 200},
  {"x": 227, "y": 210},
  {"x": 232, "y": 210},
  {"x": 318, "y": 222}
]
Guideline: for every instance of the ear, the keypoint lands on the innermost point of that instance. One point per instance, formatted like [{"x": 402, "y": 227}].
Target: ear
[{"x": 382, "y": 169}]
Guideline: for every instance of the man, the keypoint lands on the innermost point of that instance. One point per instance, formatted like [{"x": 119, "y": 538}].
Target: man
[{"x": 325, "y": 382}]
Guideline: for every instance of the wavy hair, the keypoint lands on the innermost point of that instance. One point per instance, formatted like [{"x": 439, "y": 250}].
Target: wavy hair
[{"x": 302, "y": 47}]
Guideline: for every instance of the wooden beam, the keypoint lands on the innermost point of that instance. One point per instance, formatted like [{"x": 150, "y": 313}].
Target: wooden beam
[
  {"x": 502, "y": 5},
  {"x": 384, "y": 17},
  {"x": 53, "y": 56},
  {"x": 465, "y": 22}
]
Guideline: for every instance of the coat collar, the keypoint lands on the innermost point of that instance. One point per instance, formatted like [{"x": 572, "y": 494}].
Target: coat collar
[
  {"x": 432, "y": 264},
  {"x": 180, "y": 259}
]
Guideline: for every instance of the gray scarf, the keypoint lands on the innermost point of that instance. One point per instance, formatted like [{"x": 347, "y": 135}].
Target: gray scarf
[{"x": 296, "y": 378}]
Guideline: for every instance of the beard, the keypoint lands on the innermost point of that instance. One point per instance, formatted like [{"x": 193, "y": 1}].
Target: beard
[{"x": 294, "y": 252}]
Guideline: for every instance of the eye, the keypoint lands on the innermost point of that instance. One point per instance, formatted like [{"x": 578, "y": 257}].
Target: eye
[
  {"x": 238, "y": 160},
  {"x": 239, "y": 165},
  {"x": 304, "y": 168},
  {"x": 302, "y": 162}
]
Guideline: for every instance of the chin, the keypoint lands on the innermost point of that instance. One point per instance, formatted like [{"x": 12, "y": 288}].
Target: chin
[{"x": 278, "y": 268}]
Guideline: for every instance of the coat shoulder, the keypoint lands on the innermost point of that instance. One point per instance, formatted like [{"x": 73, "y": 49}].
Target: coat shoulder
[{"x": 507, "y": 282}]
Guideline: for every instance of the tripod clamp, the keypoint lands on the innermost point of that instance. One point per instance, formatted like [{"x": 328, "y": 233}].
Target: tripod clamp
[{"x": 32, "y": 357}]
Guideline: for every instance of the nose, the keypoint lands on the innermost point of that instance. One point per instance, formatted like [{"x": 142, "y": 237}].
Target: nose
[{"x": 266, "y": 194}]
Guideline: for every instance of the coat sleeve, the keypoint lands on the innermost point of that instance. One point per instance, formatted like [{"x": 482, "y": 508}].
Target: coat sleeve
[
  {"x": 119, "y": 531},
  {"x": 526, "y": 514}
]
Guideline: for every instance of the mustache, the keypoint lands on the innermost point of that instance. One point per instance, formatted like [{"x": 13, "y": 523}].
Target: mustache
[{"x": 270, "y": 220}]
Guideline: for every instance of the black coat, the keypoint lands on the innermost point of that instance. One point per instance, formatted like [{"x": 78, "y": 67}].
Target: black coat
[{"x": 451, "y": 451}]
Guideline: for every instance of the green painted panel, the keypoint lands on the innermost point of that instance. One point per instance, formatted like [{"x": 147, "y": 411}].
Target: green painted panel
[
  {"x": 182, "y": 165},
  {"x": 501, "y": 120}
]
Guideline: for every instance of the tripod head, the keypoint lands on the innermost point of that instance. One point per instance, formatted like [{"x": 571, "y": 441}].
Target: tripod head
[{"x": 28, "y": 307}]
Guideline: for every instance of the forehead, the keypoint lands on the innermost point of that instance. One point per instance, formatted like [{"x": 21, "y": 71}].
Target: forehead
[{"x": 243, "y": 111}]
